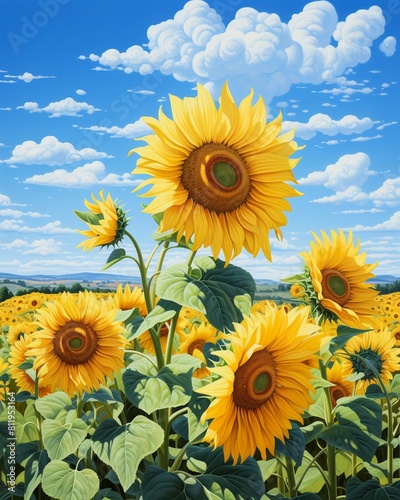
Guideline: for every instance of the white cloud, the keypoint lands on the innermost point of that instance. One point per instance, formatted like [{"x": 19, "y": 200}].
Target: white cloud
[
  {"x": 388, "y": 193},
  {"x": 360, "y": 211},
  {"x": 393, "y": 224},
  {"x": 324, "y": 124},
  {"x": 65, "y": 107},
  {"x": 50, "y": 228},
  {"x": 345, "y": 91},
  {"x": 196, "y": 45},
  {"x": 80, "y": 92},
  {"x": 6, "y": 201},
  {"x": 388, "y": 46},
  {"x": 50, "y": 151},
  {"x": 143, "y": 92},
  {"x": 352, "y": 194},
  {"x": 381, "y": 127},
  {"x": 15, "y": 245},
  {"x": 28, "y": 77},
  {"x": 365, "y": 138},
  {"x": 44, "y": 247},
  {"x": 17, "y": 214},
  {"x": 349, "y": 170},
  {"x": 130, "y": 131},
  {"x": 90, "y": 174}
]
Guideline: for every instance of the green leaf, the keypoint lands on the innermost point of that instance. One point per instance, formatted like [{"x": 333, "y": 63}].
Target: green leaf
[
  {"x": 395, "y": 385},
  {"x": 60, "y": 439},
  {"x": 374, "y": 392},
  {"x": 371, "y": 490},
  {"x": 107, "y": 494},
  {"x": 122, "y": 447},
  {"x": 115, "y": 256},
  {"x": 380, "y": 470},
  {"x": 62, "y": 482},
  {"x": 53, "y": 405},
  {"x": 223, "y": 294},
  {"x": 88, "y": 217},
  {"x": 33, "y": 468},
  {"x": 312, "y": 431},
  {"x": 294, "y": 446},
  {"x": 344, "y": 334},
  {"x": 154, "y": 390},
  {"x": 243, "y": 480},
  {"x": 267, "y": 467},
  {"x": 157, "y": 316},
  {"x": 313, "y": 481},
  {"x": 358, "y": 429}
]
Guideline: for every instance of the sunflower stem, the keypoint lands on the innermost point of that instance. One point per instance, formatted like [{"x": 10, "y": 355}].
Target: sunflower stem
[
  {"x": 290, "y": 476},
  {"x": 314, "y": 459},
  {"x": 190, "y": 260},
  {"x": 164, "y": 449},
  {"x": 142, "y": 270},
  {"x": 160, "y": 263},
  {"x": 170, "y": 340},
  {"x": 389, "y": 438},
  {"x": 330, "y": 450}
]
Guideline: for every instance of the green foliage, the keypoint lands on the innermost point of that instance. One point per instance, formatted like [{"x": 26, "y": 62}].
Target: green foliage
[
  {"x": 122, "y": 447},
  {"x": 242, "y": 480},
  {"x": 371, "y": 490},
  {"x": 62, "y": 482},
  {"x": 224, "y": 294},
  {"x": 358, "y": 428}
]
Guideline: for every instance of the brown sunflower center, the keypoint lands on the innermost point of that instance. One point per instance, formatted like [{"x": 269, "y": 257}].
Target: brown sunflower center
[
  {"x": 216, "y": 177},
  {"x": 197, "y": 344},
  {"x": 337, "y": 391},
  {"x": 75, "y": 343},
  {"x": 255, "y": 380},
  {"x": 397, "y": 335},
  {"x": 335, "y": 286}
]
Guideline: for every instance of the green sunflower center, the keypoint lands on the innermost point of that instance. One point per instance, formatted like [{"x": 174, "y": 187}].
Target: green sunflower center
[
  {"x": 335, "y": 286},
  {"x": 255, "y": 380},
  {"x": 216, "y": 177},
  {"x": 225, "y": 174},
  {"x": 75, "y": 343},
  {"x": 368, "y": 362}
]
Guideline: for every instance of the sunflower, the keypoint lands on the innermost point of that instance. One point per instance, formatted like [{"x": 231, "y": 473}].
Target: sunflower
[
  {"x": 370, "y": 354},
  {"x": 218, "y": 174},
  {"x": 297, "y": 290},
  {"x": 336, "y": 280},
  {"x": 264, "y": 385},
  {"x": 106, "y": 220},
  {"x": 79, "y": 343},
  {"x": 19, "y": 354},
  {"x": 130, "y": 299},
  {"x": 194, "y": 342},
  {"x": 15, "y": 332},
  {"x": 342, "y": 388},
  {"x": 147, "y": 343}
]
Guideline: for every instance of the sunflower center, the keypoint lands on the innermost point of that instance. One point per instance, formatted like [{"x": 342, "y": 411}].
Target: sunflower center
[
  {"x": 216, "y": 177},
  {"x": 255, "y": 380},
  {"x": 335, "y": 286},
  {"x": 75, "y": 343},
  {"x": 337, "y": 391},
  {"x": 397, "y": 335},
  {"x": 368, "y": 362},
  {"x": 197, "y": 344}
]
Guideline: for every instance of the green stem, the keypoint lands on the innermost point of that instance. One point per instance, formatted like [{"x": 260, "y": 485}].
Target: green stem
[
  {"x": 163, "y": 451},
  {"x": 170, "y": 340},
  {"x": 160, "y": 263},
  {"x": 330, "y": 450},
  {"x": 190, "y": 260},
  {"x": 79, "y": 403},
  {"x": 142, "y": 270},
  {"x": 290, "y": 476},
  {"x": 314, "y": 459},
  {"x": 143, "y": 356},
  {"x": 389, "y": 439}
]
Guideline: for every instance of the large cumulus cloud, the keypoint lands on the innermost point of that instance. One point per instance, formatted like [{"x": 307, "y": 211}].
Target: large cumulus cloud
[{"x": 258, "y": 48}]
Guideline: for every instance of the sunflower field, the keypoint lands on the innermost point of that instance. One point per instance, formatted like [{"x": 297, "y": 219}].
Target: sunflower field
[{"x": 186, "y": 387}]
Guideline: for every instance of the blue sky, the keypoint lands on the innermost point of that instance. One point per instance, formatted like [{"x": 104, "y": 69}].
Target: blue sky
[{"x": 77, "y": 76}]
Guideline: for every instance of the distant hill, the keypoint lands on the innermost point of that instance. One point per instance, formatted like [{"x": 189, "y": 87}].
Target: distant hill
[
  {"x": 68, "y": 277},
  {"x": 383, "y": 278}
]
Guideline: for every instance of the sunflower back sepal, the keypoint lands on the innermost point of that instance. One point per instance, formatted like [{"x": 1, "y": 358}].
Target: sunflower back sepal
[
  {"x": 88, "y": 217},
  {"x": 223, "y": 293}
]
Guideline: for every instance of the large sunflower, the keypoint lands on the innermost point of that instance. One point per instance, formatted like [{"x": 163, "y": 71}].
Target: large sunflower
[
  {"x": 370, "y": 354},
  {"x": 106, "y": 220},
  {"x": 79, "y": 343},
  {"x": 338, "y": 275},
  {"x": 218, "y": 174},
  {"x": 265, "y": 383}
]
